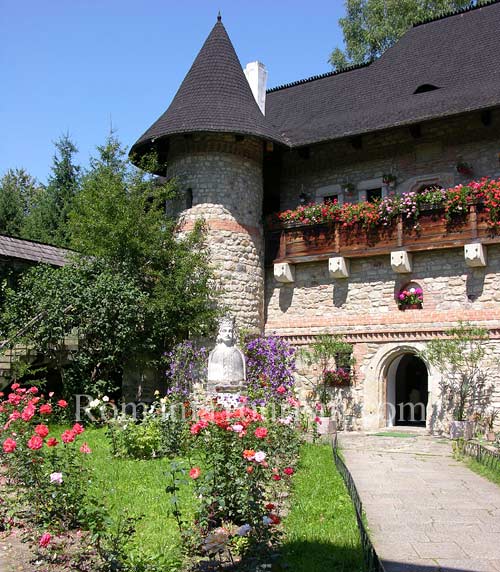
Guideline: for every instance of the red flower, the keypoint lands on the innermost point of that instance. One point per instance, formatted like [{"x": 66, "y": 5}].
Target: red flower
[
  {"x": 78, "y": 429},
  {"x": 46, "y": 409},
  {"x": 195, "y": 472},
  {"x": 35, "y": 442},
  {"x": 248, "y": 454},
  {"x": 62, "y": 403},
  {"x": 14, "y": 399},
  {"x": 250, "y": 469},
  {"x": 288, "y": 471},
  {"x": 281, "y": 389},
  {"x": 85, "y": 449},
  {"x": 33, "y": 390},
  {"x": 52, "y": 442},
  {"x": 42, "y": 430},
  {"x": 317, "y": 420},
  {"x": 275, "y": 518},
  {"x": 44, "y": 539},
  {"x": 9, "y": 445},
  {"x": 276, "y": 478},
  {"x": 14, "y": 386},
  {"x": 28, "y": 412},
  {"x": 68, "y": 436},
  {"x": 269, "y": 506},
  {"x": 260, "y": 432}
]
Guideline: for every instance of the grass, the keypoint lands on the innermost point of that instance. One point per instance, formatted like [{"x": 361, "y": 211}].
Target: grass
[
  {"x": 138, "y": 487},
  {"x": 399, "y": 435},
  {"x": 321, "y": 529}
]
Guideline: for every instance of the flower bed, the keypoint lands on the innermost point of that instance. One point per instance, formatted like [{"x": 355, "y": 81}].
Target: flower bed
[{"x": 452, "y": 202}]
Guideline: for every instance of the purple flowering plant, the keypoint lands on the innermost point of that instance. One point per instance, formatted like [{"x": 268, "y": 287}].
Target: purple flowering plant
[
  {"x": 186, "y": 365},
  {"x": 270, "y": 369},
  {"x": 410, "y": 296}
]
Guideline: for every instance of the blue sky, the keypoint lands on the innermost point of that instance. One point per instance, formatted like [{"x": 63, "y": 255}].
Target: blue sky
[{"x": 77, "y": 65}]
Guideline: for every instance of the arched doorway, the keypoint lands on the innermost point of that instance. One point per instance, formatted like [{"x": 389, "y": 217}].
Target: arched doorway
[{"x": 407, "y": 391}]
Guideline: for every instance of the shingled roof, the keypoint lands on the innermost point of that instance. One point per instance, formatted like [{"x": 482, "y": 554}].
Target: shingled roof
[
  {"x": 16, "y": 248},
  {"x": 459, "y": 54},
  {"x": 214, "y": 96}
]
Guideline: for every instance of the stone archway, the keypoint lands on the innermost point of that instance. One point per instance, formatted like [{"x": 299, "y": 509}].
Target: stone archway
[{"x": 379, "y": 371}]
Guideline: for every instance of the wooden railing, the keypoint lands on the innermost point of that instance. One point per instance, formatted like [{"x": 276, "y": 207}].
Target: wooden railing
[{"x": 293, "y": 242}]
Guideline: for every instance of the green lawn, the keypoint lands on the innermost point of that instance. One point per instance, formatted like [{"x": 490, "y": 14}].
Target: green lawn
[
  {"x": 490, "y": 474},
  {"x": 320, "y": 531}
]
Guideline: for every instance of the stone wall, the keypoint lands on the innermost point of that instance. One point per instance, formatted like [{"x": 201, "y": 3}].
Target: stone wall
[
  {"x": 430, "y": 158},
  {"x": 224, "y": 174},
  {"x": 364, "y": 309}
]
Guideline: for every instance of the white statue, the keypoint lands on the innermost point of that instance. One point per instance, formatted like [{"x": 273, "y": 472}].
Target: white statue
[{"x": 226, "y": 362}]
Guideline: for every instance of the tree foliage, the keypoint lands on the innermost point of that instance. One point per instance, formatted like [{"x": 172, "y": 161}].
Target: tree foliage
[
  {"x": 460, "y": 360},
  {"x": 18, "y": 191},
  {"x": 371, "y": 26}
]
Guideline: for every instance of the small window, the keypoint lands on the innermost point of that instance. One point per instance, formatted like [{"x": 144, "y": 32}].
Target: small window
[
  {"x": 410, "y": 297},
  {"x": 432, "y": 187},
  {"x": 425, "y": 87},
  {"x": 331, "y": 199},
  {"x": 373, "y": 195}
]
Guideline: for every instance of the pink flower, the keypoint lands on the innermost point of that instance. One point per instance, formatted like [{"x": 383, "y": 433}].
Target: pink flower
[
  {"x": 15, "y": 386},
  {"x": 28, "y": 413},
  {"x": 78, "y": 429},
  {"x": 281, "y": 389},
  {"x": 44, "y": 539},
  {"x": 68, "y": 436},
  {"x": 52, "y": 442},
  {"x": 62, "y": 403},
  {"x": 9, "y": 445},
  {"x": 242, "y": 398},
  {"x": 260, "y": 432},
  {"x": 46, "y": 409},
  {"x": 237, "y": 428},
  {"x": 85, "y": 449},
  {"x": 56, "y": 478},
  {"x": 288, "y": 471},
  {"x": 276, "y": 478},
  {"x": 317, "y": 420},
  {"x": 195, "y": 472},
  {"x": 33, "y": 390},
  {"x": 42, "y": 430},
  {"x": 35, "y": 442}
]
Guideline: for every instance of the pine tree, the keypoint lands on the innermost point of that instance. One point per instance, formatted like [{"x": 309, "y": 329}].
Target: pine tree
[{"x": 18, "y": 190}]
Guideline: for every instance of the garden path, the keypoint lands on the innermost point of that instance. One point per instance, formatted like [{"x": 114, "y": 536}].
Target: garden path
[{"x": 426, "y": 511}]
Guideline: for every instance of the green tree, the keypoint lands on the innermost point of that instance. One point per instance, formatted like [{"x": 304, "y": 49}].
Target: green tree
[
  {"x": 371, "y": 26},
  {"x": 119, "y": 216},
  {"x": 48, "y": 219},
  {"x": 18, "y": 190}
]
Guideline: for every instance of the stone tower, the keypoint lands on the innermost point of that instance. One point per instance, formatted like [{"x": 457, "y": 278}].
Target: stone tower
[{"x": 212, "y": 139}]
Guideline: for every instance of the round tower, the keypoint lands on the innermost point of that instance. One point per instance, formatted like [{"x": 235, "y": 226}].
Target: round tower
[{"x": 212, "y": 138}]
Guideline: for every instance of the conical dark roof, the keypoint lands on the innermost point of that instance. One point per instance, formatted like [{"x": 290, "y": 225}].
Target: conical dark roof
[{"x": 214, "y": 96}]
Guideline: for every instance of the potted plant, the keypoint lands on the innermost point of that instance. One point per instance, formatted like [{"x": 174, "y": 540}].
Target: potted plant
[
  {"x": 325, "y": 350},
  {"x": 339, "y": 377},
  {"x": 459, "y": 358},
  {"x": 464, "y": 168},
  {"x": 349, "y": 188},
  {"x": 489, "y": 420},
  {"x": 411, "y": 298},
  {"x": 389, "y": 179}
]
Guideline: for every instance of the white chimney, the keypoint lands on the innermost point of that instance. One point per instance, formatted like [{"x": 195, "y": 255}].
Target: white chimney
[{"x": 256, "y": 75}]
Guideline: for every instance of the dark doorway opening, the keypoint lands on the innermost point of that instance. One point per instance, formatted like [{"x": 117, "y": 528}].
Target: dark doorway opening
[{"x": 411, "y": 391}]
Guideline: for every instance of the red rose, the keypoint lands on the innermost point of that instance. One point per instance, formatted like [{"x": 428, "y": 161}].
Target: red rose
[
  {"x": 269, "y": 506},
  {"x": 33, "y": 390},
  {"x": 195, "y": 472},
  {"x": 9, "y": 445},
  {"x": 44, "y": 539},
  {"x": 28, "y": 412},
  {"x": 46, "y": 409},
  {"x": 62, "y": 403},
  {"x": 276, "y": 478},
  {"x": 275, "y": 518},
  {"x": 78, "y": 429},
  {"x": 52, "y": 442},
  {"x": 281, "y": 389},
  {"x": 260, "y": 432},
  {"x": 68, "y": 436},
  {"x": 14, "y": 386},
  {"x": 42, "y": 430},
  {"x": 35, "y": 442},
  {"x": 288, "y": 471}
]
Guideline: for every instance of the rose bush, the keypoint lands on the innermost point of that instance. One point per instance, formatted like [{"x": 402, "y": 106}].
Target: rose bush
[{"x": 46, "y": 475}]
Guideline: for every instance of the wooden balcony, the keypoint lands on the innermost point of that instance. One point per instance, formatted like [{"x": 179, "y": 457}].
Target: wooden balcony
[{"x": 296, "y": 243}]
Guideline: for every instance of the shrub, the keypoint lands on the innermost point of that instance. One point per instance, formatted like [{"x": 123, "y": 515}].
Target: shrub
[{"x": 270, "y": 369}]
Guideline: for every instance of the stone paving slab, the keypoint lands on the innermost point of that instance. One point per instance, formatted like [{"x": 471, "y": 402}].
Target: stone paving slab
[{"x": 426, "y": 511}]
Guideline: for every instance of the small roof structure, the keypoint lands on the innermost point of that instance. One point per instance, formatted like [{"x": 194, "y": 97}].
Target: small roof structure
[
  {"x": 26, "y": 250},
  {"x": 214, "y": 97}
]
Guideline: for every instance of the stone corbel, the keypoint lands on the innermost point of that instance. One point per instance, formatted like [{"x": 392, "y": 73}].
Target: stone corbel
[
  {"x": 475, "y": 255},
  {"x": 338, "y": 267},
  {"x": 284, "y": 272},
  {"x": 401, "y": 261}
]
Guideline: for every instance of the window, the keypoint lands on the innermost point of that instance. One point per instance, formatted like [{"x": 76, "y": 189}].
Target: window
[
  {"x": 425, "y": 87},
  {"x": 373, "y": 195},
  {"x": 431, "y": 187},
  {"x": 331, "y": 199}
]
